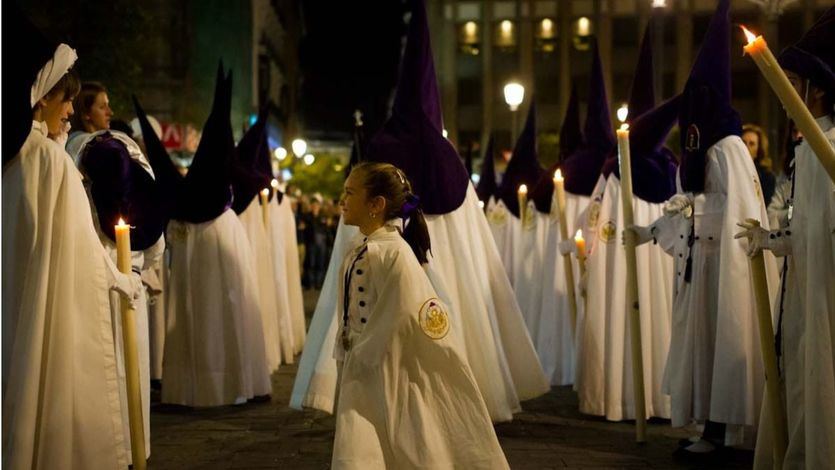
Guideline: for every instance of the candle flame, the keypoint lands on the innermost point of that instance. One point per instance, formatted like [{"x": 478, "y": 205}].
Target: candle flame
[
  {"x": 274, "y": 183},
  {"x": 265, "y": 192},
  {"x": 624, "y": 127},
  {"x": 578, "y": 235},
  {"x": 121, "y": 222},
  {"x": 751, "y": 37},
  {"x": 558, "y": 175},
  {"x": 523, "y": 189}
]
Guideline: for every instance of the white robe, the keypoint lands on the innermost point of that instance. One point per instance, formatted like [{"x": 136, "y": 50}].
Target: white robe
[
  {"x": 604, "y": 364},
  {"x": 286, "y": 251},
  {"x": 714, "y": 368},
  {"x": 61, "y": 404},
  {"x": 277, "y": 340},
  {"x": 809, "y": 320},
  {"x": 407, "y": 398},
  {"x": 214, "y": 346},
  {"x": 466, "y": 271}
]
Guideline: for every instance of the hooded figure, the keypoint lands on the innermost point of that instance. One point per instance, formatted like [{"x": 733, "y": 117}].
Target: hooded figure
[
  {"x": 806, "y": 324},
  {"x": 714, "y": 371},
  {"x": 121, "y": 185},
  {"x": 214, "y": 348},
  {"x": 509, "y": 230},
  {"x": 61, "y": 403},
  {"x": 487, "y": 187},
  {"x": 604, "y": 382},
  {"x": 464, "y": 267},
  {"x": 247, "y": 184}
]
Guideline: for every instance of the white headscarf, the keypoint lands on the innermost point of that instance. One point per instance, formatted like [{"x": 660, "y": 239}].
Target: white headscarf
[{"x": 52, "y": 71}]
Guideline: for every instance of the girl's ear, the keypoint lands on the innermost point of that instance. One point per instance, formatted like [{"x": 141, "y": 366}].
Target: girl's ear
[{"x": 379, "y": 203}]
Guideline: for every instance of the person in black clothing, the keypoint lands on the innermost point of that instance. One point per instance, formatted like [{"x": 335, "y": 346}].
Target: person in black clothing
[
  {"x": 315, "y": 235},
  {"x": 757, "y": 143}
]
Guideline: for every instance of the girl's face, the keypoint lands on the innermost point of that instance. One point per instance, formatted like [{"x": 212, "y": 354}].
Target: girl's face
[
  {"x": 56, "y": 112},
  {"x": 752, "y": 141},
  {"x": 357, "y": 207},
  {"x": 100, "y": 113}
]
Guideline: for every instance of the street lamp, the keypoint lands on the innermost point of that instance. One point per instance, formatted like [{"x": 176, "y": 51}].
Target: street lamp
[
  {"x": 280, "y": 153},
  {"x": 299, "y": 147},
  {"x": 514, "y": 94},
  {"x": 622, "y": 113},
  {"x": 309, "y": 159}
]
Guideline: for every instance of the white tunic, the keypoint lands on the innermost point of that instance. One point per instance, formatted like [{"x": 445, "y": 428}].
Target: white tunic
[
  {"x": 809, "y": 319},
  {"x": 286, "y": 253},
  {"x": 714, "y": 368},
  {"x": 466, "y": 271},
  {"x": 214, "y": 347},
  {"x": 604, "y": 363},
  {"x": 60, "y": 386},
  {"x": 407, "y": 398}
]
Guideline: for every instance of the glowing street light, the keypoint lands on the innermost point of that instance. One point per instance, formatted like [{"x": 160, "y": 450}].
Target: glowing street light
[
  {"x": 280, "y": 153},
  {"x": 299, "y": 147},
  {"x": 309, "y": 159},
  {"x": 514, "y": 94}
]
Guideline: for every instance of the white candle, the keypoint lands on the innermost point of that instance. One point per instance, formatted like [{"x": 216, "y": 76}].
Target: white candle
[
  {"x": 559, "y": 202},
  {"x": 265, "y": 206},
  {"x": 632, "y": 285},
  {"x": 794, "y": 105},
  {"x": 522, "y": 195},
  {"x": 129, "y": 349}
]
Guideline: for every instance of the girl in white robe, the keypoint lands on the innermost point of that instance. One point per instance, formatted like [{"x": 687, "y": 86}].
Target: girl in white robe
[{"x": 407, "y": 398}]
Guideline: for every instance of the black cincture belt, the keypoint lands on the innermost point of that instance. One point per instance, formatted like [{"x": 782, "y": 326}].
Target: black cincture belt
[{"x": 346, "y": 290}]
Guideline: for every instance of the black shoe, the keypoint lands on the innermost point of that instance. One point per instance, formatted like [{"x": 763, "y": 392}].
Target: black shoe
[{"x": 260, "y": 399}]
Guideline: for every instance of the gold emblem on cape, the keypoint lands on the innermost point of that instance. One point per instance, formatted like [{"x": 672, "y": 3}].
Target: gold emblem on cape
[
  {"x": 497, "y": 215},
  {"x": 433, "y": 319},
  {"x": 530, "y": 218},
  {"x": 757, "y": 188},
  {"x": 594, "y": 214},
  {"x": 177, "y": 231},
  {"x": 608, "y": 231}
]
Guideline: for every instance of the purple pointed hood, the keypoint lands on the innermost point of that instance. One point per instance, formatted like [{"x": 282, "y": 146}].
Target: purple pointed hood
[
  {"x": 168, "y": 180},
  {"x": 247, "y": 180},
  {"x": 34, "y": 51},
  {"x": 653, "y": 164},
  {"x": 120, "y": 187},
  {"x": 571, "y": 139},
  {"x": 524, "y": 167},
  {"x": 813, "y": 57},
  {"x": 581, "y": 170},
  {"x": 411, "y": 139},
  {"x": 487, "y": 183},
  {"x": 706, "y": 115}
]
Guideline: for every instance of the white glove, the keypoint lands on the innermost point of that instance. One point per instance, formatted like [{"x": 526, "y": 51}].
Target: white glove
[
  {"x": 129, "y": 286},
  {"x": 760, "y": 239},
  {"x": 642, "y": 234},
  {"x": 679, "y": 204},
  {"x": 567, "y": 247}
]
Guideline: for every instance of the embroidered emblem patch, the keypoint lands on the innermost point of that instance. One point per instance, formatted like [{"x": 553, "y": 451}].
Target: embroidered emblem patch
[
  {"x": 178, "y": 232},
  {"x": 497, "y": 215},
  {"x": 608, "y": 232},
  {"x": 757, "y": 188},
  {"x": 594, "y": 214},
  {"x": 433, "y": 319},
  {"x": 530, "y": 218}
]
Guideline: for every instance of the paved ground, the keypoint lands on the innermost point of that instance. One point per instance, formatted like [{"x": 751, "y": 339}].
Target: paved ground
[{"x": 550, "y": 433}]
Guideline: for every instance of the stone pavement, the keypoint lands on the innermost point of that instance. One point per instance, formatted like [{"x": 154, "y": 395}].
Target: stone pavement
[{"x": 550, "y": 433}]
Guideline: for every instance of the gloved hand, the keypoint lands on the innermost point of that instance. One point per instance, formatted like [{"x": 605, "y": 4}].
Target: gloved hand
[
  {"x": 760, "y": 239},
  {"x": 642, "y": 234},
  {"x": 129, "y": 286},
  {"x": 679, "y": 204},
  {"x": 567, "y": 247}
]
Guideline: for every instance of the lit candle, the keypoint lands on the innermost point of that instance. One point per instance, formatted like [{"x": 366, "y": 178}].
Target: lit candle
[
  {"x": 129, "y": 349},
  {"x": 632, "y": 284},
  {"x": 794, "y": 105},
  {"x": 558, "y": 204},
  {"x": 522, "y": 194},
  {"x": 581, "y": 244},
  {"x": 265, "y": 206}
]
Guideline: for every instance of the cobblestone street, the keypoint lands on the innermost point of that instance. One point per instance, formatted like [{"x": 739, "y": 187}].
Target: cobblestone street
[{"x": 550, "y": 433}]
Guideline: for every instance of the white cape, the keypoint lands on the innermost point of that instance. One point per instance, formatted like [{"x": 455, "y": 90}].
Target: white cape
[
  {"x": 214, "y": 346},
  {"x": 809, "y": 320},
  {"x": 286, "y": 253},
  {"x": 407, "y": 399},
  {"x": 466, "y": 271},
  {"x": 714, "y": 368},
  {"x": 277, "y": 340},
  {"x": 604, "y": 363},
  {"x": 60, "y": 386}
]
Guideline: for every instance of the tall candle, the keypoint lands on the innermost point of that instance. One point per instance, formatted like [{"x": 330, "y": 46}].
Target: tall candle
[
  {"x": 130, "y": 351},
  {"x": 795, "y": 107},
  {"x": 581, "y": 245},
  {"x": 265, "y": 206},
  {"x": 522, "y": 195},
  {"x": 559, "y": 205},
  {"x": 625, "y": 162}
]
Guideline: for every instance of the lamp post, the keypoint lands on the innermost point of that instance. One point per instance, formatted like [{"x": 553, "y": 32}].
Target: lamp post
[
  {"x": 514, "y": 94},
  {"x": 299, "y": 147}
]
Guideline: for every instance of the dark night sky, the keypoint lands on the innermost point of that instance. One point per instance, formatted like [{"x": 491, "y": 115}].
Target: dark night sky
[{"x": 349, "y": 56}]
